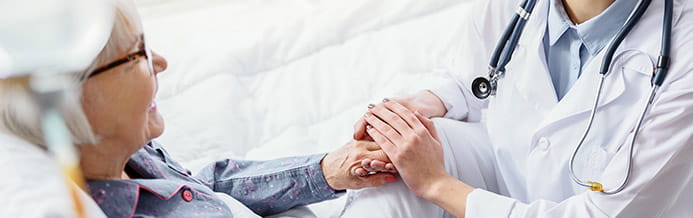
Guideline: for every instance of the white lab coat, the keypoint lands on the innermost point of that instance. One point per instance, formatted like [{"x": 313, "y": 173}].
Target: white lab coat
[{"x": 533, "y": 135}]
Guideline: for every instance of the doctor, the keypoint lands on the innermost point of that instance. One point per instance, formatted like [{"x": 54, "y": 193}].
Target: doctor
[{"x": 509, "y": 155}]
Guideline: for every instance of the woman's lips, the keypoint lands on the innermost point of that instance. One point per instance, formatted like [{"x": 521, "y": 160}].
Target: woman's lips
[{"x": 152, "y": 107}]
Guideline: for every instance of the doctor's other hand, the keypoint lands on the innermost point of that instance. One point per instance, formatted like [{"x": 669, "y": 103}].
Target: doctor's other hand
[
  {"x": 342, "y": 168},
  {"x": 411, "y": 141},
  {"x": 425, "y": 102}
]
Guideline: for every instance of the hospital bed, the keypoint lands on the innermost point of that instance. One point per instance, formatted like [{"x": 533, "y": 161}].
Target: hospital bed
[{"x": 251, "y": 79}]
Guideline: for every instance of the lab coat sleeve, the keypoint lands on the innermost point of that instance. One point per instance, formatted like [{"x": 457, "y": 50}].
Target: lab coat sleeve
[
  {"x": 451, "y": 94},
  {"x": 472, "y": 50},
  {"x": 661, "y": 168},
  {"x": 459, "y": 101}
]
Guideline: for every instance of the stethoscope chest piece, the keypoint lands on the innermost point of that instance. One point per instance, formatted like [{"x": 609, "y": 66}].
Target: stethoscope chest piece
[{"x": 482, "y": 88}]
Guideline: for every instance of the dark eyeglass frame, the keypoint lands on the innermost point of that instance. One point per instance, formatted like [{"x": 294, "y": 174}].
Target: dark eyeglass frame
[{"x": 144, "y": 51}]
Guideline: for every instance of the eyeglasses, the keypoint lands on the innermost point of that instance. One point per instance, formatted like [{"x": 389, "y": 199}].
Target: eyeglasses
[{"x": 144, "y": 52}]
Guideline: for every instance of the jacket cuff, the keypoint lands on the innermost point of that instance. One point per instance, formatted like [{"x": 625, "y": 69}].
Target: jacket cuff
[
  {"x": 482, "y": 203},
  {"x": 321, "y": 189},
  {"x": 453, "y": 99}
]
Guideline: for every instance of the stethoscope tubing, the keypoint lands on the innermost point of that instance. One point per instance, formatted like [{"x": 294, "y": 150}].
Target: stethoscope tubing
[
  {"x": 657, "y": 80},
  {"x": 508, "y": 42},
  {"x": 621, "y": 35},
  {"x": 515, "y": 37}
]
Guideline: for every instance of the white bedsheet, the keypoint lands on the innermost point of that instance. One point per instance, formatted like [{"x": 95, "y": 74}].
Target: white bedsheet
[{"x": 261, "y": 79}]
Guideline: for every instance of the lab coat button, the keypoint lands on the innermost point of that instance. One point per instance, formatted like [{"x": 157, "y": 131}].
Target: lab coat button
[
  {"x": 543, "y": 143},
  {"x": 187, "y": 195}
]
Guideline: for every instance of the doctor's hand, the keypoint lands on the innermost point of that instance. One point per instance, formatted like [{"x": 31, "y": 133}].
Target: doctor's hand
[
  {"x": 424, "y": 102},
  {"x": 411, "y": 142},
  {"x": 342, "y": 168}
]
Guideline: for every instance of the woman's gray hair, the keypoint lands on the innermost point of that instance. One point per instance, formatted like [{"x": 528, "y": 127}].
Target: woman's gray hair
[{"x": 19, "y": 111}]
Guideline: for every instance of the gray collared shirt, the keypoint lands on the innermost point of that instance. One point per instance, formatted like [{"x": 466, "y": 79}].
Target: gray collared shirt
[
  {"x": 568, "y": 47},
  {"x": 163, "y": 188}
]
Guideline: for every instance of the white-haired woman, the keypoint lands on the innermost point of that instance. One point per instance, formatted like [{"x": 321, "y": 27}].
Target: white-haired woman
[{"x": 115, "y": 119}]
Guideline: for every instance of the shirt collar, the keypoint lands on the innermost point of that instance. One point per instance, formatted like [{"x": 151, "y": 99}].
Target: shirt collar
[
  {"x": 594, "y": 33},
  {"x": 558, "y": 21}
]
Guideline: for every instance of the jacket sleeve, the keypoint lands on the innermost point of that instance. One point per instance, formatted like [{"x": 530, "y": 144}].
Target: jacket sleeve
[{"x": 269, "y": 187}]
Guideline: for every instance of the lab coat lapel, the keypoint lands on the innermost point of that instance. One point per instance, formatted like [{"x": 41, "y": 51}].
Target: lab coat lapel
[
  {"x": 580, "y": 98},
  {"x": 529, "y": 68}
]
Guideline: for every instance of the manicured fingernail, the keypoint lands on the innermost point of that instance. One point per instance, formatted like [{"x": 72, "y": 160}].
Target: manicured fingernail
[
  {"x": 371, "y": 106},
  {"x": 390, "y": 179},
  {"x": 386, "y": 99}
]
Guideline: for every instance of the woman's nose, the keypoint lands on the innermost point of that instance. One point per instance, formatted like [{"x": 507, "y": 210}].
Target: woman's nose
[{"x": 159, "y": 62}]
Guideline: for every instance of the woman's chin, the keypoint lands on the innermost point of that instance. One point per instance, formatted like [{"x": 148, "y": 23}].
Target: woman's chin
[{"x": 155, "y": 126}]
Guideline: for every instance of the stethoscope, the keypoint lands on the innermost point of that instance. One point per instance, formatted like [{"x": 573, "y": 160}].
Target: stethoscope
[{"x": 482, "y": 88}]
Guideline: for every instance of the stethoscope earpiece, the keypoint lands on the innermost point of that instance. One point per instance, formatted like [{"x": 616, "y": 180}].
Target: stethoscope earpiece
[{"x": 481, "y": 88}]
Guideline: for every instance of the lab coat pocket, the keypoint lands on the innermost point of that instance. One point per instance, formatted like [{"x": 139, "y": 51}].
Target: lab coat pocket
[
  {"x": 597, "y": 162},
  {"x": 636, "y": 67},
  {"x": 620, "y": 117}
]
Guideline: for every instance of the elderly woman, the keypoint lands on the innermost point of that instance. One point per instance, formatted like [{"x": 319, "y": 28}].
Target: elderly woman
[{"x": 128, "y": 174}]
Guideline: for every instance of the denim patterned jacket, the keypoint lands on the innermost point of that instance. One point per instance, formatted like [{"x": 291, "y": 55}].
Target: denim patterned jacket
[{"x": 163, "y": 188}]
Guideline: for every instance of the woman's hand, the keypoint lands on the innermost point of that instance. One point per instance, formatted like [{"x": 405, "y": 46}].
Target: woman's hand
[
  {"x": 425, "y": 102},
  {"x": 342, "y": 168},
  {"x": 411, "y": 142}
]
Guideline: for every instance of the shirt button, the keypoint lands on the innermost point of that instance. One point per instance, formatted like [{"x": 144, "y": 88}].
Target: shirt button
[
  {"x": 543, "y": 143},
  {"x": 187, "y": 195}
]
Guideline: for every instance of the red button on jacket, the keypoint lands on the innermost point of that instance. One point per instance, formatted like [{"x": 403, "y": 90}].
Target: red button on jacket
[{"x": 187, "y": 195}]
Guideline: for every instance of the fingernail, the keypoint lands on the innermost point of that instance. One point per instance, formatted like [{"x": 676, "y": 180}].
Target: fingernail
[
  {"x": 371, "y": 106},
  {"x": 368, "y": 114},
  {"x": 390, "y": 179},
  {"x": 389, "y": 168},
  {"x": 386, "y": 99},
  {"x": 368, "y": 127},
  {"x": 367, "y": 165}
]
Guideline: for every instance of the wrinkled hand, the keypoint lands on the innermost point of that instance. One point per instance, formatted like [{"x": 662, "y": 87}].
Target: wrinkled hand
[
  {"x": 411, "y": 142},
  {"x": 342, "y": 168},
  {"x": 424, "y": 102}
]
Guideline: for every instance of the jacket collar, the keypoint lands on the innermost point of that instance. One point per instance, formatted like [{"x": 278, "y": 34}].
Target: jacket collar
[
  {"x": 149, "y": 162},
  {"x": 120, "y": 197}
]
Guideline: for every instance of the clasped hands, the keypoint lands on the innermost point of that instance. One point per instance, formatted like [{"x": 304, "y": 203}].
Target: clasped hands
[{"x": 393, "y": 137}]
